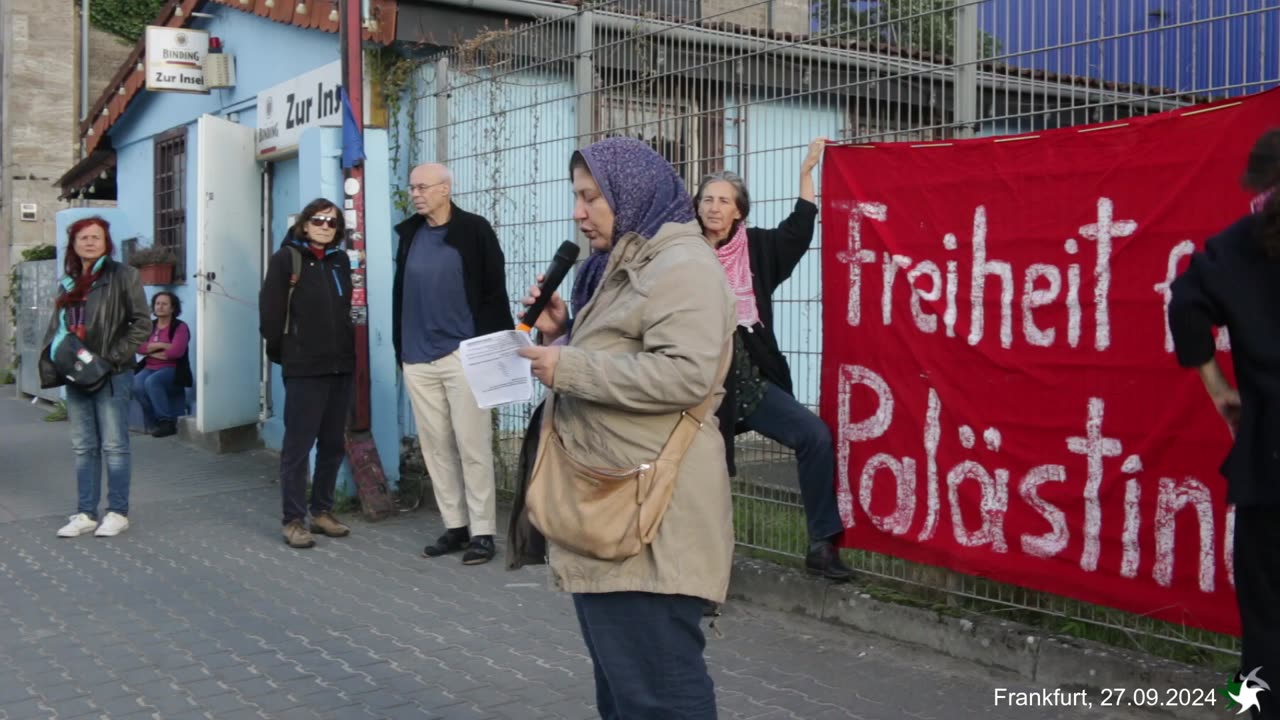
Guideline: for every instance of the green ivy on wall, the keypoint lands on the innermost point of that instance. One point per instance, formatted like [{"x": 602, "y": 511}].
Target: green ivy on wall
[{"x": 124, "y": 18}]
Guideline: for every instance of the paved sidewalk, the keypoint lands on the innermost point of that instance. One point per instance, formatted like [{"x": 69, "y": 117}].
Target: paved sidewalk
[{"x": 200, "y": 611}]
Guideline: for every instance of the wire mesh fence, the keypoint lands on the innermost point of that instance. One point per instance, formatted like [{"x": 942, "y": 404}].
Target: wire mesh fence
[{"x": 744, "y": 86}]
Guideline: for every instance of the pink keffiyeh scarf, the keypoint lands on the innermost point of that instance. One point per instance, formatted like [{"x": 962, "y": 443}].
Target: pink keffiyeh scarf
[{"x": 736, "y": 261}]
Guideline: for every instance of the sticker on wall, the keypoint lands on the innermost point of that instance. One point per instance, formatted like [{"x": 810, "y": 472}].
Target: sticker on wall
[
  {"x": 350, "y": 215},
  {"x": 357, "y": 280},
  {"x": 351, "y": 186},
  {"x": 355, "y": 256},
  {"x": 360, "y": 315},
  {"x": 358, "y": 297}
]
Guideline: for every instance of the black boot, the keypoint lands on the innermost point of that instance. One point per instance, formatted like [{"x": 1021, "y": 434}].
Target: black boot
[
  {"x": 452, "y": 541},
  {"x": 823, "y": 559},
  {"x": 165, "y": 428}
]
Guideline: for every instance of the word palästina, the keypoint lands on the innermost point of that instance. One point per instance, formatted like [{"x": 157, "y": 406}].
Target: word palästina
[
  {"x": 935, "y": 284},
  {"x": 1002, "y": 494}
]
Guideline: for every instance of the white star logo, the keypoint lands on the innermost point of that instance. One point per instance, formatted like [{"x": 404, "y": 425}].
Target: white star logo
[{"x": 1249, "y": 689}]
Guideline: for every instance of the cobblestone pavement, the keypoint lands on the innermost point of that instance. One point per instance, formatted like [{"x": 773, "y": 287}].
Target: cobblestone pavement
[{"x": 200, "y": 611}]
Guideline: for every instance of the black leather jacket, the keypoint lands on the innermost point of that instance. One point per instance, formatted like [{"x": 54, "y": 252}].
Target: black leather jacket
[{"x": 117, "y": 319}]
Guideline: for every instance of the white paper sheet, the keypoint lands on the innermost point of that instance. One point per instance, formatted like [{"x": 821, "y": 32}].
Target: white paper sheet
[{"x": 497, "y": 375}]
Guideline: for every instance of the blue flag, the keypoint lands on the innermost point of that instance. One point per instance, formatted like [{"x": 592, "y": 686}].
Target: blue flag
[{"x": 352, "y": 137}]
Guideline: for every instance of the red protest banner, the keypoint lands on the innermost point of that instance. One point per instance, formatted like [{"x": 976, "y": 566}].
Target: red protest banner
[{"x": 997, "y": 368}]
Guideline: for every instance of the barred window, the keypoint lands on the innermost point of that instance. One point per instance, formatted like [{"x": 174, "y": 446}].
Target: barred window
[{"x": 171, "y": 199}]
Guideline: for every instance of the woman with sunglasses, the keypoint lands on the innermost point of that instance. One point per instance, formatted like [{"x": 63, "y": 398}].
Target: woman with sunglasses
[{"x": 304, "y": 313}]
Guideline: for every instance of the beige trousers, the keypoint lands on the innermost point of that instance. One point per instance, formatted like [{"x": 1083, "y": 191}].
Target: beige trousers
[{"x": 457, "y": 443}]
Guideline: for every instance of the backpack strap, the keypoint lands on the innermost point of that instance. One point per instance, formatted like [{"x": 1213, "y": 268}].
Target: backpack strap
[{"x": 295, "y": 273}]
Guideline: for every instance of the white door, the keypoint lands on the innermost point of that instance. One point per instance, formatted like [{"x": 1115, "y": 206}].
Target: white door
[{"x": 228, "y": 237}]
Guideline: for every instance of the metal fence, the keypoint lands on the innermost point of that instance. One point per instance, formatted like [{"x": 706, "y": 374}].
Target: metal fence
[{"x": 745, "y": 86}]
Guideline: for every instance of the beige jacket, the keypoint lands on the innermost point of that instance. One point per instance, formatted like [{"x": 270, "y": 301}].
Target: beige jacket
[{"x": 646, "y": 348}]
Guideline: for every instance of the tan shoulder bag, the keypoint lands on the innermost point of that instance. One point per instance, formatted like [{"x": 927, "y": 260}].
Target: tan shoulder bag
[{"x": 605, "y": 513}]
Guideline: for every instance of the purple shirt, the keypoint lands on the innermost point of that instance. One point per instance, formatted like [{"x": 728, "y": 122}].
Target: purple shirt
[{"x": 171, "y": 355}]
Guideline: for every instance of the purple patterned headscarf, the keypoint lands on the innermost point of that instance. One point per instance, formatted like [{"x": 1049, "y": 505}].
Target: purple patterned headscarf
[{"x": 644, "y": 192}]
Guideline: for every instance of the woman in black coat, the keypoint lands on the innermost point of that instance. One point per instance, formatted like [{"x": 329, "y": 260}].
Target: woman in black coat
[
  {"x": 758, "y": 394},
  {"x": 304, "y": 314}
]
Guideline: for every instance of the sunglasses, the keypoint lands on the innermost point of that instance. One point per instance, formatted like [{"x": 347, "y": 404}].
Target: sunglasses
[{"x": 319, "y": 221}]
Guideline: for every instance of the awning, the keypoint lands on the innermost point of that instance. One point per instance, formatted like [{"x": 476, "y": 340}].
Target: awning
[{"x": 93, "y": 178}]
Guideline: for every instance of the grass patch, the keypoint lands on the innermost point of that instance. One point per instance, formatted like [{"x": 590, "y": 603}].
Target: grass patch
[
  {"x": 346, "y": 504},
  {"x": 7, "y": 377},
  {"x": 58, "y": 413}
]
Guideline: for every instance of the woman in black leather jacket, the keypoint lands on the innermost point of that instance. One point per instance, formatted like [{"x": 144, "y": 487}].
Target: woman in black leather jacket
[{"x": 103, "y": 303}]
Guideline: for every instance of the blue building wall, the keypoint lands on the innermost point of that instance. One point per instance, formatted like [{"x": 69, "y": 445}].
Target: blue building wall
[
  {"x": 267, "y": 53},
  {"x": 1183, "y": 45}
]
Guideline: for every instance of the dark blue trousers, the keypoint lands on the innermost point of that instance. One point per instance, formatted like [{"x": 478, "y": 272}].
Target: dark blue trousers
[
  {"x": 647, "y": 654},
  {"x": 783, "y": 419}
]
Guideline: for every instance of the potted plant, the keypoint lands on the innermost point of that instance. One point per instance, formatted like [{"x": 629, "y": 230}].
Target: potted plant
[{"x": 155, "y": 264}]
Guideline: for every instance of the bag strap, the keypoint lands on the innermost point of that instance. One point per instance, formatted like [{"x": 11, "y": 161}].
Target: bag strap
[
  {"x": 682, "y": 436},
  {"x": 691, "y": 420},
  {"x": 295, "y": 273}
]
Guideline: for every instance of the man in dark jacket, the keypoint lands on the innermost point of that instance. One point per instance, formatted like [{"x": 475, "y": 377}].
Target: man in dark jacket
[{"x": 450, "y": 286}]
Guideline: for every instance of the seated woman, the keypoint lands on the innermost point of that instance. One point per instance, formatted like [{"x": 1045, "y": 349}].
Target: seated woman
[
  {"x": 758, "y": 395},
  {"x": 164, "y": 371}
]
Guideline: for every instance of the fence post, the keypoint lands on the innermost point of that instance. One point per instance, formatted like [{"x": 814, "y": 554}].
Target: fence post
[
  {"x": 584, "y": 74},
  {"x": 442, "y": 110},
  {"x": 965, "y": 58}
]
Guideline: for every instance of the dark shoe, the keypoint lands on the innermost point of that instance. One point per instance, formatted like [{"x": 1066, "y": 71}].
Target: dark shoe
[
  {"x": 326, "y": 524},
  {"x": 824, "y": 559},
  {"x": 296, "y": 535},
  {"x": 453, "y": 540},
  {"x": 165, "y": 428},
  {"x": 710, "y": 609},
  {"x": 480, "y": 551}
]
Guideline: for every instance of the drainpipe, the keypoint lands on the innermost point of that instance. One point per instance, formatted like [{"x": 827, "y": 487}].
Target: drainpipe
[{"x": 84, "y": 66}]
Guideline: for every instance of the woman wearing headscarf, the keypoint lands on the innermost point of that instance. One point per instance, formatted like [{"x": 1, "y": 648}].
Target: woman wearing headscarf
[
  {"x": 646, "y": 347},
  {"x": 758, "y": 394},
  {"x": 102, "y": 303},
  {"x": 1235, "y": 283}
]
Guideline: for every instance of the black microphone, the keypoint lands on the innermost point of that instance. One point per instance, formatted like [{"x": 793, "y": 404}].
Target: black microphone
[{"x": 565, "y": 257}]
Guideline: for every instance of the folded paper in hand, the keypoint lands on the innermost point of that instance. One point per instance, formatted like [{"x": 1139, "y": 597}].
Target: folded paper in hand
[{"x": 497, "y": 375}]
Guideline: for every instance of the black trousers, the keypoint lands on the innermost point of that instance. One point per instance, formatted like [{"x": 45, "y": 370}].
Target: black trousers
[
  {"x": 646, "y": 651},
  {"x": 315, "y": 415},
  {"x": 1256, "y": 556}
]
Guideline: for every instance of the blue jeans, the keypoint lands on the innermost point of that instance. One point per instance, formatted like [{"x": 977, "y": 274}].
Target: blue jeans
[
  {"x": 159, "y": 397},
  {"x": 100, "y": 427},
  {"x": 783, "y": 419},
  {"x": 646, "y": 651}
]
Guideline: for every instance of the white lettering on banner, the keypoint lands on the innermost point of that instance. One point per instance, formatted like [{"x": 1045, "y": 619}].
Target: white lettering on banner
[
  {"x": 987, "y": 527},
  {"x": 1042, "y": 283},
  {"x": 1229, "y": 545},
  {"x": 1054, "y": 541},
  {"x": 1102, "y": 232},
  {"x": 1132, "y": 518},
  {"x": 932, "y": 436},
  {"x": 851, "y": 432},
  {"x": 855, "y": 257},
  {"x": 1174, "y": 496},
  {"x": 1094, "y": 447},
  {"x": 904, "y": 473},
  {"x": 1165, "y": 290}
]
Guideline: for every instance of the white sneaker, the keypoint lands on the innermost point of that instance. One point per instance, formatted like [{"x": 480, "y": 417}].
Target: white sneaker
[
  {"x": 80, "y": 524},
  {"x": 113, "y": 524}
]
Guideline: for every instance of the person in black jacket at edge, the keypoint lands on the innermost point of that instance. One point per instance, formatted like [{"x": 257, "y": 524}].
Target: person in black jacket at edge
[
  {"x": 758, "y": 393},
  {"x": 306, "y": 322},
  {"x": 1235, "y": 282}
]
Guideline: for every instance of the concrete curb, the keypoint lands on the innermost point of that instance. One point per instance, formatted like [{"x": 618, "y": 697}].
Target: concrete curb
[{"x": 1048, "y": 660}]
